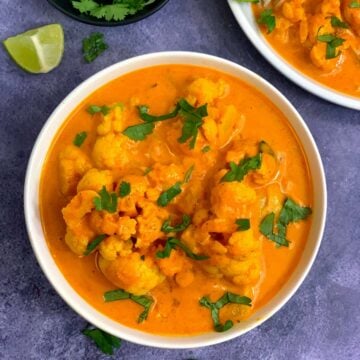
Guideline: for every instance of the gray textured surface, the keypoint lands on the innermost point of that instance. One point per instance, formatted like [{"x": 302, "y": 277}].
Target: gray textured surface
[{"x": 322, "y": 319}]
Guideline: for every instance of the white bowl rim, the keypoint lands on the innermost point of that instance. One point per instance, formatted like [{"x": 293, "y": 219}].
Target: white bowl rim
[
  {"x": 53, "y": 273},
  {"x": 248, "y": 25}
]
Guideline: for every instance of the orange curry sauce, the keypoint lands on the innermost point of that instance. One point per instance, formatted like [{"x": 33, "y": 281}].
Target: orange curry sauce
[{"x": 176, "y": 310}]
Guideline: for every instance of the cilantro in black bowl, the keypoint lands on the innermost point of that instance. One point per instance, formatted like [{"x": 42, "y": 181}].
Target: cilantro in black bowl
[{"x": 108, "y": 12}]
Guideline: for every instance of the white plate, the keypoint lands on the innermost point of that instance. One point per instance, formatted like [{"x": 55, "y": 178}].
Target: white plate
[
  {"x": 244, "y": 16},
  {"x": 37, "y": 237}
]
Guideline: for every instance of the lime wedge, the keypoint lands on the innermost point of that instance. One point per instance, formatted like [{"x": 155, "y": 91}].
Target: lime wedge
[{"x": 39, "y": 50}]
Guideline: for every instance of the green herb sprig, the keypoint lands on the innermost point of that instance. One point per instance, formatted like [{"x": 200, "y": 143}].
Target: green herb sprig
[
  {"x": 227, "y": 298},
  {"x": 238, "y": 172},
  {"x": 80, "y": 138},
  {"x": 290, "y": 213},
  {"x": 167, "y": 228},
  {"x": 93, "y": 46},
  {"x": 193, "y": 119},
  {"x": 144, "y": 300},
  {"x": 173, "y": 243},
  {"x": 106, "y": 201},
  {"x": 124, "y": 189},
  {"x": 94, "y": 244},
  {"x": 268, "y": 19},
  {"x": 332, "y": 43},
  {"x": 169, "y": 194},
  {"x": 104, "y": 341}
]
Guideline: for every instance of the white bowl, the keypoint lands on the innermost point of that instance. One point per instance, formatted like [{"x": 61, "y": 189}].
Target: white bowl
[
  {"x": 245, "y": 17},
  {"x": 35, "y": 231}
]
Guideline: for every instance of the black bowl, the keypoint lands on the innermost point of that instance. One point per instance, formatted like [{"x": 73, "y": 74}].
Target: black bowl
[{"x": 66, "y": 7}]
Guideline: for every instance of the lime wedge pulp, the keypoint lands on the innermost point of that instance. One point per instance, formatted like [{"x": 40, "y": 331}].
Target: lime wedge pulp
[{"x": 39, "y": 50}]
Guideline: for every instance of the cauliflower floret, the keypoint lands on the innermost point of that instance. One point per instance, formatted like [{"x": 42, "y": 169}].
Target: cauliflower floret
[
  {"x": 232, "y": 199},
  {"x": 318, "y": 57},
  {"x": 131, "y": 273},
  {"x": 126, "y": 228},
  {"x": 139, "y": 185},
  {"x": 221, "y": 126},
  {"x": 268, "y": 170},
  {"x": 164, "y": 176},
  {"x": 73, "y": 164},
  {"x": 115, "y": 246},
  {"x": 78, "y": 239},
  {"x": 204, "y": 91},
  {"x": 240, "y": 272},
  {"x": 149, "y": 223},
  {"x": 103, "y": 222},
  {"x": 80, "y": 205},
  {"x": 293, "y": 10},
  {"x": 173, "y": 264},
  {"x": 242, "y": 243},
  {"x": 113, "y": 121},
  {"x": 226, "y": 226},
  {"x": 95, "y": 179},
  {"x": 112, "y": 151}
]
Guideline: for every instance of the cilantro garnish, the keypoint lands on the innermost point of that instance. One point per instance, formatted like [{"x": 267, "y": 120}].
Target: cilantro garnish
[
  {"x": 354, "y": 4},
  {"x": 104, "y": 341},
  {"x": 107, "y": 201},
  {"x": 94, "y": 244},
  {"x": 80, "y": 138},
  {"x": 268, "y": 19},
  {"x": 243, "y": 224},
  {"x": 172, "y": 243},
  {"x": 116, "y": 11},
  {"x": 206, "y": 149},
  {"x": 93, "y": 109},
  {"x": 337, "y": 23},
  {"x": 332, "y": 42},
  {"x": 141, "y": 131},
  {"x": 169, "y": 194},
  {"x": 93, "y": 46},
  {"x": 227, "y": 298},
  {"x": 238, "y": 172},
  {"x": 290, "y": 212},
  {"x": 124, "y": 189},
  {"x": 167, "y": 228},
  {"x": 192, "y": 121},
  {"x": 144, "y": 300}
]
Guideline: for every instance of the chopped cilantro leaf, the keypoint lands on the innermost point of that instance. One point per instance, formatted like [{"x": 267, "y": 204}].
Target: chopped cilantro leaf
[
  {"x": 354, "y": 4},
  {"x": 93, "y": 46},
  {"x": 124, "y": 189},
  {"x": 243, "y": 224},
  {"x": 227, "y": 298},
  {"x": 172, "y": 243},
  {"x": 290, "y": 212},
  {"x": 167, "y": 228},
  {"x": 80, "y": 138},
  {"x": 169, "y": 194},
  {"x": 94, "y": 244},
  {"x": 93, "y": 109},
  {"x": 332, "y": 42},
  {"x": 104, "y": 341},
  {"x": 238, "y": 172},
  {"x": 268, "y": 19},
  {"x": 144, "y": 300},
  {"x": 337, "y": 23},
  {"x": 107, "y": 201}
]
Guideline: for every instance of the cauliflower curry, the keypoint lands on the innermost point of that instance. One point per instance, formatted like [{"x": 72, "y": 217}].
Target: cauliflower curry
[
  {"x": 320, "y": 38},
  {"x": 176, "y": 200}
]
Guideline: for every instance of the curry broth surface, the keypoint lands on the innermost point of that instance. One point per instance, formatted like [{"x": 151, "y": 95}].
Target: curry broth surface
[{"x": 176, "y": 310}]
